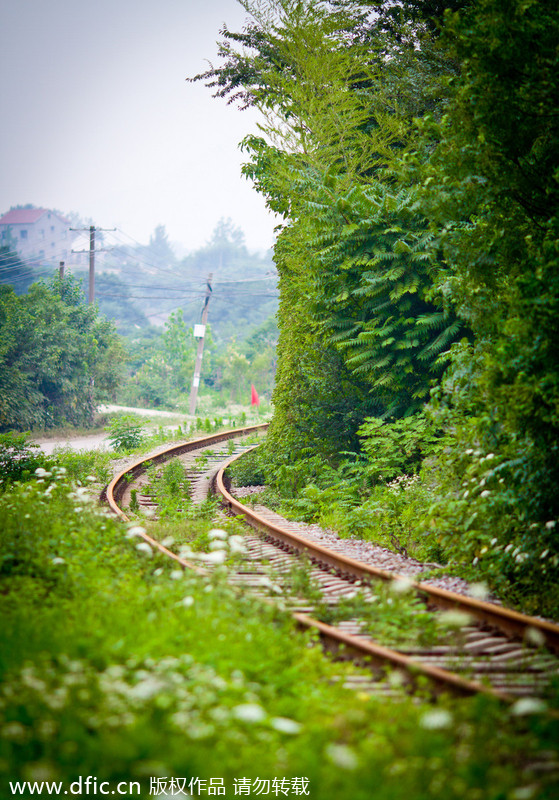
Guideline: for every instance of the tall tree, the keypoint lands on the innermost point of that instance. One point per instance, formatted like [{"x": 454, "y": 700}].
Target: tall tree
[{"x": 338, "y": 98}]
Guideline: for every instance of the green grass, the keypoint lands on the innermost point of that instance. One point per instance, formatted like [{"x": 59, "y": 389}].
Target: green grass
[{"x": 116, "y": 664}]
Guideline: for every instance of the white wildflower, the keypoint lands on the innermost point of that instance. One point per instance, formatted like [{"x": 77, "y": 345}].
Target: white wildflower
[
  {"x": 525, "y": 792},
  {"x": 144, "y": 547},
  {"x": 15, "y": 731},
  {"x": 135, "y": 530},
  {"x": 218, "y": 544},
  {"x": 217, "y": 533},
  {"x": 534, "y": 637},
  {"x": 550, "y": 525},
  {"x": 58, "y": 560},
  {"x": 176, "y": 574},
  {"x": 485, "y": 493},
  {"x": 216, "y": 557},
  {"x": 528, "y": 705},
  {"x": 479, "y": 590},
  {"x": 146, "y": 689},
  {"x": 437, "y": 719},
  {"x": 285, "y": 725},
  {"x": 544, "y": 554},
  {"x": 454, "y": 618},
  {"x": 236, "y": 540},
  {"x": 187, "y": 601},
  {"x": 401, "y": 585},
  {"x": 342, "y": 756},
  {"x": 249, "y": 712},
  {"x": 40, "y": 472},
  {"x": 91, "y": 478}
]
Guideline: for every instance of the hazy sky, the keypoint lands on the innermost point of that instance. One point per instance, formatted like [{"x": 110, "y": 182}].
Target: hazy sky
[{"x": 97, "y": 117}]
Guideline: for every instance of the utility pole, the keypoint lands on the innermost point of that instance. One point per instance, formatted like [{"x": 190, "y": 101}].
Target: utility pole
[
  {"x": 199, "y": 333},
  {"x": 91, "y": 294},
  {"x": 92, "y": 251},
  {"x": 61, "y": 271}
]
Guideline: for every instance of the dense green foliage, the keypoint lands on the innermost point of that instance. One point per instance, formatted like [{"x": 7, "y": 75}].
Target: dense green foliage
[
  {"x": 413, "y": 156},
  {"x": 58, "y": 358}
]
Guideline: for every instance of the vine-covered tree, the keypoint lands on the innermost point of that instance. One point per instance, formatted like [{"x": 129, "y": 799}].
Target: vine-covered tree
[{"x": 339, "y": 96}]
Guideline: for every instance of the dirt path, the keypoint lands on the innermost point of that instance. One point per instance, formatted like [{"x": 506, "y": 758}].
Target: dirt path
[{"x": 98, "y": 440}]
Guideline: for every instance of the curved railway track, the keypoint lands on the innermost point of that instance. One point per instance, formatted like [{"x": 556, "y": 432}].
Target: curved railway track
[{"x": 493, "y": 653}]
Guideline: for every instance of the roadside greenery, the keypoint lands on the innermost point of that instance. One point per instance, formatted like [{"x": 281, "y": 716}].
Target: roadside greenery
[{"x": 125, "y": 432}]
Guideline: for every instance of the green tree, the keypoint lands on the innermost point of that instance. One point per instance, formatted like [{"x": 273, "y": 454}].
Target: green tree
[
  {"x": 162, "y": 373},
  {"x": 491, "y": 190},
  {"x": 58, "y": 358},
  {"x": 356, "y": 272}
]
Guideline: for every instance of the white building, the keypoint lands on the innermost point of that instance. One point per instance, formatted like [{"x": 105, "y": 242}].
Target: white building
[{"x": 37, "y": 234}]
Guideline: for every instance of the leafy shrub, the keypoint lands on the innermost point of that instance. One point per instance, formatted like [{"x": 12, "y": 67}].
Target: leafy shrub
[
  {"x": 248, "y": 470},
  {"x": 126, "y": 432},
  {"x": 475, "y": 518},
  {"x": 397, "y": 448},
  {"x": 19, "y": 458},
  {"x": 79, "y": 464}
]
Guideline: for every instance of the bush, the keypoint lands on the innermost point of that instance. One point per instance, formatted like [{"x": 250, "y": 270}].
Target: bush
[
  {"x": 126, "y": 432},
  {"x": 19, "y": 458}
]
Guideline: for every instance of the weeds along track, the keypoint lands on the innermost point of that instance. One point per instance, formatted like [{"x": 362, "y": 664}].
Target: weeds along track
[{"x": 409, "y": 633}]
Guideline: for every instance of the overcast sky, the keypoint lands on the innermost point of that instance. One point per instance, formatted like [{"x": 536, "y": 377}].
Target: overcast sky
[{"x": 97, "y": 117}]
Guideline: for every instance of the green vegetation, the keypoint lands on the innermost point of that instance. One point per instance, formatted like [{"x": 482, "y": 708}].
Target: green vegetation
[
  {"x": 125, "y": 432},
  {"x": 413, "y": 156},
  {"x": 114, "y": 663},
  {"x": 58, "y": 358}
]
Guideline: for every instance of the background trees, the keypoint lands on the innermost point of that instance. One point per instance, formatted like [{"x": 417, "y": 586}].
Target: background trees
[{"x": 58, "y": 358}]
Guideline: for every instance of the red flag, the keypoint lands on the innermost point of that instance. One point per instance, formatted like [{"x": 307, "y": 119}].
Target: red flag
[{"x": 254, "y": 399}]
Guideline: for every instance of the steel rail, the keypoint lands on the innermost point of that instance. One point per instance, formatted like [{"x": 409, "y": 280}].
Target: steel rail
[
  {"x": 116, "y": 488},
  {"x": 510, "y": 622},
  {"x": 364, "y": 649}
]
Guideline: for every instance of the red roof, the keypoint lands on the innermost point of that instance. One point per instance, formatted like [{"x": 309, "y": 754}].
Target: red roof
[{"x": 25, "y": 216}]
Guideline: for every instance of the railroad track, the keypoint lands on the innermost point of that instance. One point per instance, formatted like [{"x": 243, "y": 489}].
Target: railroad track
[{"x": 492, "y": 650}]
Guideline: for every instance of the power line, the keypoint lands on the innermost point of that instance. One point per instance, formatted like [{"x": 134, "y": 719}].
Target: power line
[{"x": 92, "y": 231}]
